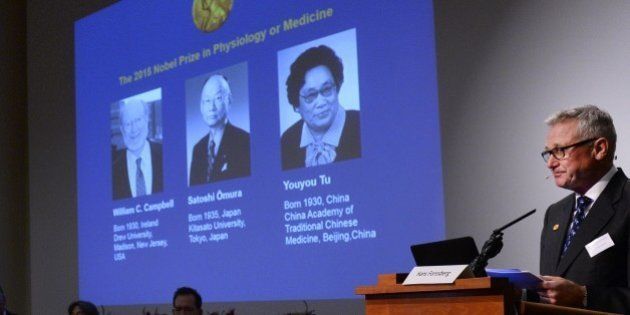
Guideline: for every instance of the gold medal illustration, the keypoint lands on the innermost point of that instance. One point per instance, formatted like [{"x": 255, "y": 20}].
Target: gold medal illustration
[{"x": 209, "y": 15}]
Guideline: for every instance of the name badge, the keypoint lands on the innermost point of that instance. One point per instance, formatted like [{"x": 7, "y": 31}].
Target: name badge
[
  {"x": 599, "y": 245},
  {"x": 434, "y": 274}
]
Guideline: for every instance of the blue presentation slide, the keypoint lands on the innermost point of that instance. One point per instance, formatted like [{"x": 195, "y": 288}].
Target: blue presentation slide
[{"x": 254, "y": 150}]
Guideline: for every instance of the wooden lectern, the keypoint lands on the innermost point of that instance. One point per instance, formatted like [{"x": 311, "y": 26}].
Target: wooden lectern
[{"x": 485, "y": 296}]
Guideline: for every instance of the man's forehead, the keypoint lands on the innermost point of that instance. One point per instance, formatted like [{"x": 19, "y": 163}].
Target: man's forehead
[
  {"x": 211, "y": 89},
  {"x": 213, "y": 86},
  {"x": 132, "y": 108},
  {"x": 185, "y": 299},
  {"x": 561, "y": 133}
]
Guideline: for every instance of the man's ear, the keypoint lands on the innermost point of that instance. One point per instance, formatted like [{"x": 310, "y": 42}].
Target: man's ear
[{"x": 601, "y": 149}]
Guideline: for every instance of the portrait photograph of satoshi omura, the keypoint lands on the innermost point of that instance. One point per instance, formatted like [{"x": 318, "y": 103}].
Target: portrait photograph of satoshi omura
[
  {"x": 319, "y": 102},
  {"x": 217, "y": 120},
  {"x": 136, "y": 141}
]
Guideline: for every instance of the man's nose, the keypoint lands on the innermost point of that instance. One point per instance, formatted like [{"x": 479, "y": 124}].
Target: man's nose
[
  {"x": 213, "y": 105},
  {"x": 552, "y": 162},
  {"x": 134, "y": 127}
]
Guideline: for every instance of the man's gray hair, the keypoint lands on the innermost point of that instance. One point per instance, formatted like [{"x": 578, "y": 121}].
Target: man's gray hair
[
  {"x": 592, "y": 123},
  {"x": 133, "y": 102},
  {"x": 223, "y": 82}
]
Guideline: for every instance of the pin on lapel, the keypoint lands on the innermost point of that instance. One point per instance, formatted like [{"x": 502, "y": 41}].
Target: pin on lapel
[{"x": 556, "y": 227}]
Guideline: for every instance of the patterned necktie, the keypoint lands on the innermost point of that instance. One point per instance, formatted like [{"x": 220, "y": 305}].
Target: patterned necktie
[
  {"x": 211, "y": 159},
  {"x": 141, "y": 189},
  {"x": 580, "y": 207}
]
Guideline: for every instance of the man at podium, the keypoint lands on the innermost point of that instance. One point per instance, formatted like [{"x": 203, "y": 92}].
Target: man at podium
[{"x": 584, "y": 254}]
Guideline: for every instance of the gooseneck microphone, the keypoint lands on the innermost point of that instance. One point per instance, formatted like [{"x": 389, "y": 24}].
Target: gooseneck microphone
[{"x": 492, "y": 247}]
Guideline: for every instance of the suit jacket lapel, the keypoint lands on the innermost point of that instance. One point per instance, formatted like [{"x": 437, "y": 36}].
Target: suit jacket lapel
[
  {"x": 227, "y": 134},
  {"x": 597, "y": 218},
  {"x": 222, "y": 158},
  {"x": 126, "y": 184},
  {"x": 557, "y": 237},
  {"x": 204, "y": 148}
]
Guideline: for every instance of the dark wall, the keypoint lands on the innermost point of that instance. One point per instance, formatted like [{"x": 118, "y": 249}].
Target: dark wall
[
  {"x": 51, "y": 143},
  {"x": 13, "y": 144}
]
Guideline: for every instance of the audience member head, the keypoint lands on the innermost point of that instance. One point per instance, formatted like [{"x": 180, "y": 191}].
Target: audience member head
[
  {"x": 187, "y": 301},
  {"x": 82, "y": 308}
]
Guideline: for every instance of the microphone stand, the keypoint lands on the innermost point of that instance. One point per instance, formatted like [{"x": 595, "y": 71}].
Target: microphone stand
[{"x": 492, "y": 247}]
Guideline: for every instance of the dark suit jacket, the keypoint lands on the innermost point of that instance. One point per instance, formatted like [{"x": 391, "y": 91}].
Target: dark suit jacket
[
  {"x": 120, "y": 174},
  {"x": 349, "y": 144},
  {"x": 232, "y": 159},
  {"x": 606, "y": 275}
]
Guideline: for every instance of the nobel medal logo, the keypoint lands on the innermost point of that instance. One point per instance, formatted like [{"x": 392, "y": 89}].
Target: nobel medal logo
[{"x": 209, "y": 15}]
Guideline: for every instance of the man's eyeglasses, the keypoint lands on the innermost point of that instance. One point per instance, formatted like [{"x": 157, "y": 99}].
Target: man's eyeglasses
[
  {"x": 326, "y": 90},
  {"x": 561, "y": 152},
  {"x": 134, "y": 123},
  {"x": 219, "y": 97}
]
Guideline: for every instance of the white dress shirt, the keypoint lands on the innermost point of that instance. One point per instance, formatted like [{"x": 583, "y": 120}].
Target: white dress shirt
[
  {"x": 594, "y": 192},
  {"x": 146, "y": 166}
]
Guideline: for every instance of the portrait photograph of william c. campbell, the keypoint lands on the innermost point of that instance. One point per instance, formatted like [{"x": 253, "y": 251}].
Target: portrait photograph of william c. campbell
[{"x": 136, "y": 142}]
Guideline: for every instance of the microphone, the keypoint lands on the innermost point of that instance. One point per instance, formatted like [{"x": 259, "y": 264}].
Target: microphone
[
  {"x": 492, "y": 247},
  {"x": 547, "y": 177}
]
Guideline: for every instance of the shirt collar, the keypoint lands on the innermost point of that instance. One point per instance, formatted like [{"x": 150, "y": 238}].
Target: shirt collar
[
  {"x": 332, "y": 135},
  {"x": 596, "y": 190},
  {"x": 145, "y": 154}
]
